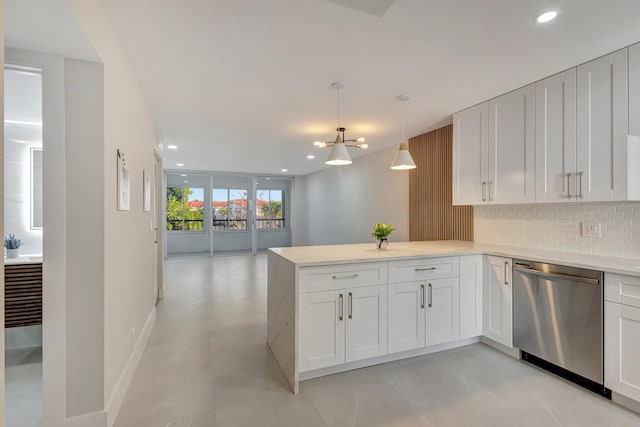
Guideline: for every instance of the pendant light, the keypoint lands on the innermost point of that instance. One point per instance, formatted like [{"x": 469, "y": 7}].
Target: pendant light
[
  {"x": 339, "y": 155},
  {"x": 403, "y": 159}
]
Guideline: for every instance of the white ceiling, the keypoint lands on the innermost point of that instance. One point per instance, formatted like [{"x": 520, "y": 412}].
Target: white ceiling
[
  {"x": 243, "y": 86},
  {"x": 45, "y": 26}
]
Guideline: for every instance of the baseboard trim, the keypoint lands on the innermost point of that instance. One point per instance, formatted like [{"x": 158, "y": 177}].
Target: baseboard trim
[
  {"x": 94, "y": 419},
  {"x": 625, "y": 402},
  {"x": 120, "y": 390},
  {"x": 509, "y": 351},
  {"x": 386, "y": 358}
]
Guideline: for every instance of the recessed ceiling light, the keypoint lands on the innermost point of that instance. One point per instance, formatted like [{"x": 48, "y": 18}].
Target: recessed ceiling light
[
  {"x": 546, "y": 17},
  {"x": 172, "y": 147},
  {"x": 186, "y": 182},
  {"x": 267, "y": 178},
  {"x": 284, "y": 170},
  {"x": 179, "y": 164},
  {"x": 183, "y": 174},
  {"x": 311, "y": 156}
]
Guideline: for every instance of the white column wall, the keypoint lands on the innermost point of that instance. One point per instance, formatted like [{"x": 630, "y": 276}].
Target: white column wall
[{"x": 129, "y": 297}]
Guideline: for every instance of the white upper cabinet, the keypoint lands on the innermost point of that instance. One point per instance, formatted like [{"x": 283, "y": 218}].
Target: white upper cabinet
[
  {"x": 602, "y": 128},
  {"x": 634, "y": 90},
  {"x": 574, "y": 136},
  {"x": 633, "y": 139},
  {"x": 471, "y": 155},
  {"x": 512, "y": 147},
  {"x": 556, "y": 138},
  {"x": 494, "y": 151}
]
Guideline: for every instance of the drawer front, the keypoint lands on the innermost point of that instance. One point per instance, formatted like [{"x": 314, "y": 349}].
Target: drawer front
[
  {"x": 622, "y": 289},
  {"x": 331, "y": 277},
  {"x": 423, "y": 269}
]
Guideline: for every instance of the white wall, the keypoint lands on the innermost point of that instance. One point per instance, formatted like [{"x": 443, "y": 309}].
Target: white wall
[
  {"x": 2, "y": 213},
  {"x": 128, "y": 236},
  {"x": 343, "y": 203},
  {"x": 557, "y": 227}
]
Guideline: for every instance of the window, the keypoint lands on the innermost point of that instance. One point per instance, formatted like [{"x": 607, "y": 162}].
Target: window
[
  {"x": 270, "y": 206},
  {"x": 185, "y": 208},
  {"x": 229, "y": 209}
]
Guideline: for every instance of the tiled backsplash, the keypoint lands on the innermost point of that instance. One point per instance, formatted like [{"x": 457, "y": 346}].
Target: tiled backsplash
[{"x": 558, "y": 227}]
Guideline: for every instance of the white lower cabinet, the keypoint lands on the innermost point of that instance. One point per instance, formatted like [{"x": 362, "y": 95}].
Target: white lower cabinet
[
  {"x": 366, "y": 318},
  {"x": 443, "y": 311},
  {"x": 322, "y": 329},
  {"x": 622, "y": 349},
  {"x": 341, "y": 326},
  {"x": 497, "y": 300},
  {"x": 407, "y": 311},
  {"x": 470, "y": 296}
]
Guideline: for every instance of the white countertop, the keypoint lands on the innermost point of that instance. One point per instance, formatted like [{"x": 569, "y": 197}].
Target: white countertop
[
  {"x": 304, "y": 256},
  {"x": 24, "y": 259}
]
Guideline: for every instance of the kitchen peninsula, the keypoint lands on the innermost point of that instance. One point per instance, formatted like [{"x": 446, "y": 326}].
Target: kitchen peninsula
[{"x": 342, "y": 307}]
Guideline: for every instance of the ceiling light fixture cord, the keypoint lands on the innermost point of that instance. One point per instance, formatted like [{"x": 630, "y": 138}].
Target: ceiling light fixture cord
[
  {"x": 338, "y": 96},
  {"x": 403, "y": 119}
]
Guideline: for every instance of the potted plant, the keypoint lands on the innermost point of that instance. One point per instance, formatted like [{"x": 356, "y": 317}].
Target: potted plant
[
  {"x": 12, "y": 245},
  {"x": 381, "y": 232}
]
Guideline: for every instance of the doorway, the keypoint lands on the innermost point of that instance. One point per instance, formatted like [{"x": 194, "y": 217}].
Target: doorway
[{"x": 23, "y": 224}]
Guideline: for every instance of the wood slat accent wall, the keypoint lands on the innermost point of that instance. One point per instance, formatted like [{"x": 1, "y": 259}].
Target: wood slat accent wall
[
  {"x": 432, "y": 215},
  {"x": 22, "y": 295}
]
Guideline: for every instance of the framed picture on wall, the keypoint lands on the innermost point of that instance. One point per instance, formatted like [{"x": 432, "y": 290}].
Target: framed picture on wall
[
  {"x": 124, "y": 183},
  {"x": 146, "y": 191}
]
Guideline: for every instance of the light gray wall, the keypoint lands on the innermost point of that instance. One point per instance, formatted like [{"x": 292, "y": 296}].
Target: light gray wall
[
  {"x": 343, "y": 203},
  {"x": 84, "y": 127},
  {"x": 129, "y": 295}
]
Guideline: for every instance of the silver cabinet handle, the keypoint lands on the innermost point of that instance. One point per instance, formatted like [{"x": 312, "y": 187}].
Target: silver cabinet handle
[
  {"x": 430, "y": 295},
  {"x": 568, "y": 175},
  {"x": 426, "y": 269},
  {"x": 352, "y": 276},
  {"x": 422, "y": 295},
  {"x": 491, "y": 191},
  {"x": 341, "y": 307},
  {"x": 484, "y": 191},
  {"x": 350, "y": 305},
  {"x": 506, "y": 267},
  {"x": 580, "y": 194}
]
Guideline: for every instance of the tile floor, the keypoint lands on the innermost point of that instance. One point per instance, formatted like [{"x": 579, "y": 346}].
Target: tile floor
[
  {"x": 207, "y": 364},
  {"x": 23, "y": 387}
]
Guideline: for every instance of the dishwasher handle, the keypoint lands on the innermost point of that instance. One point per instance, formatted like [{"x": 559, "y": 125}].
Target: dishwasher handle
[{"x": 527, "y": 270}]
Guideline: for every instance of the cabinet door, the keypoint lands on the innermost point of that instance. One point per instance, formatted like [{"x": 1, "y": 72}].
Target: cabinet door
[
  {"x": 407, "y": 306},
  {"x": 634, "y": 90},
  {"x": 602, "y": 128},
  {"x": 497, "y": 299},
  {"x": 322, "y": 329},
  {"x": 512, "y": 147},
  {"x": 366, "y": 310},
  {"x": 470, "y": 155},
  {"x": 443, "y": 311},
  {"x": 622, "y": 349},
  {"x": 556, "y": 137},
  {"x": 470, "y": 296}
]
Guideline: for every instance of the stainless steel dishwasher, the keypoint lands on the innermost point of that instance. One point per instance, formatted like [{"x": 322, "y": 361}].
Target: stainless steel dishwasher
[{"x": 558, "y": 320}]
